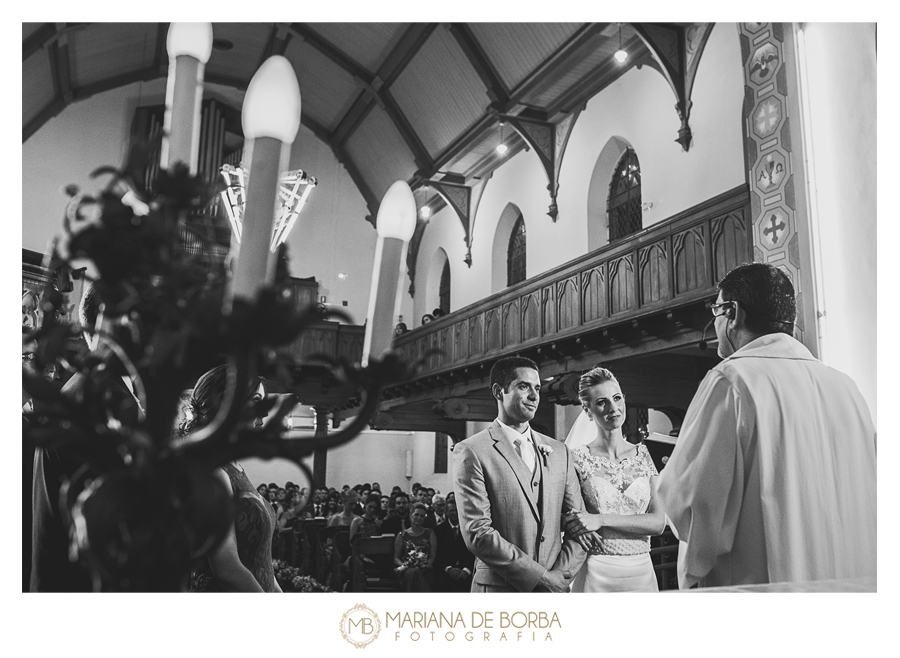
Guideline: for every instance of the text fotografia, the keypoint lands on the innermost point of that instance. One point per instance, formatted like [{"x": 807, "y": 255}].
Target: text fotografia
[{"x": 478, "y": 626}]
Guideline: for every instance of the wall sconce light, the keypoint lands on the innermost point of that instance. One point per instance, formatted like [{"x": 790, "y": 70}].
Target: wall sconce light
[{"x": 425, "y": 212}]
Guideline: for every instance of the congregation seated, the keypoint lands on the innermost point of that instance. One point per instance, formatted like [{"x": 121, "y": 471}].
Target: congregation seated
[
  {"x": 332, "y": 504},
  {"x": 415, "y": 551},
  {"x": 397, "y": 519},
  {"x": 436, "y": 512},
  {"x": 317, "y": 528},
  {"x": 346, "y": 515},
  {"x": 455, "y": 563},
  {"x": 369, "y": 524},
  {"x": 385, "y": 507}
]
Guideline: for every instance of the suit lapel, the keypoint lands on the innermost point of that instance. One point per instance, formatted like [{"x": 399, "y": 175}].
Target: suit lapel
[{"x": 523, "y": 475}]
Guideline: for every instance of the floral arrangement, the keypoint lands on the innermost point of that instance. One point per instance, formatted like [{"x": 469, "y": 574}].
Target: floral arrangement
[
  {"x": 416, "y": 559},
  {"x": 292, "y": 580}
]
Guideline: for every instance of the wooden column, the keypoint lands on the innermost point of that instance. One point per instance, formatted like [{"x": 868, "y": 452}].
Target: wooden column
[{"x": 320, "y": 456}]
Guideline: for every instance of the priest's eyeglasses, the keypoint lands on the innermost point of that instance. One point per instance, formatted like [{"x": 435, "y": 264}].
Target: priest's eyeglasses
[{"x": 719, "y": 309}]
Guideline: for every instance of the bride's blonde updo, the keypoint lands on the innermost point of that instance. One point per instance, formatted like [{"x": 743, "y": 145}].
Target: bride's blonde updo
[
  {"x": 593, "y": 377},
  {"x": 206, "y": 398}
]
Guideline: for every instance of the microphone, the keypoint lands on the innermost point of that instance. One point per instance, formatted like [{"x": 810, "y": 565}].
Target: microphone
[{"x": 702, "y": 345}]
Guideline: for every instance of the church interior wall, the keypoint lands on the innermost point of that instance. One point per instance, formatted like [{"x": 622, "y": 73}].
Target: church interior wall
[
  {"x": 374, "y": 456},
  {"x": 331, "y": 236},
  {"x": 638, "y": 109}
]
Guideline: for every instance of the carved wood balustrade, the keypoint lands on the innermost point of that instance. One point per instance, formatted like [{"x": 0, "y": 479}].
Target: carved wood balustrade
[{"x": 619, "y": 292}]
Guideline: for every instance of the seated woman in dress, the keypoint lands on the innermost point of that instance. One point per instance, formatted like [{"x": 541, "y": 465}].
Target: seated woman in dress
[
  {"x": 369, "y": 524},
  {"x": 415, "y": 550},
  {"x": 243, "y": 562},
  {"x": 346, "y": 515},
  {"x": 618, "y": 484},
  {"x": 332, "y": 504}
]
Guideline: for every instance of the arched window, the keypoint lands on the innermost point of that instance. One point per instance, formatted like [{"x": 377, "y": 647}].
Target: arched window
[
  {"x": 444, "y": 289},
  {"x": 515, "y": 258},
  {"x": 624, "y": 208}
]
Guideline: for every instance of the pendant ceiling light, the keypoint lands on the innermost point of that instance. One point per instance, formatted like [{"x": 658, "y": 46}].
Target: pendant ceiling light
[
  {"x": 620, "y": 55},
  {"x": 501, "y": 147}
]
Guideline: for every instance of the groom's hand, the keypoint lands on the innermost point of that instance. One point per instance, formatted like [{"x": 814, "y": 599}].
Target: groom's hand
[
  {"x": 585, "y": 541},
  {"x": 556, "y": 581}
]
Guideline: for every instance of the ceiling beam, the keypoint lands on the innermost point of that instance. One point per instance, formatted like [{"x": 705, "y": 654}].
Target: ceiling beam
[
  {"x": 353, "y": 117},
  {"x": 374, "y": 91},
  {"x": 343, "y": 157},
  {"x": 60, "y": 67},
  {"x": 160, "y": 52},
  {"x": 496, "y": 90},
  {"x": 598, "y": 78},
  {"x": 492, "y": 160},
  {"x": 49, "y": 111},
  {"x": 277, "y": 43},
  {"x": 240, "y": 84},
  {"x": 409, "y": 135},
  {"x": 141, "y": 75},
  {"x": 372, "y": 201},
  {"x": 473, "y": 135},
  {"x": 410, "y": 43},
  {"x": 38, "y": 40},
  {"x": 337, "y": 56},
  {"x": 549, "y": 69}
]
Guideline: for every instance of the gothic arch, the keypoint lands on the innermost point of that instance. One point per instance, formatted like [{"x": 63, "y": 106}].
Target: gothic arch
[
  {"x": 432, "y": 281},
  {"x": 501, "y": 245},
  {"x": 598, "y": 191}
]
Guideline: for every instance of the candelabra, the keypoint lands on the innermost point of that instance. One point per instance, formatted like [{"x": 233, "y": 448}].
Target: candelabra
[{"x": 142, "y": 505}]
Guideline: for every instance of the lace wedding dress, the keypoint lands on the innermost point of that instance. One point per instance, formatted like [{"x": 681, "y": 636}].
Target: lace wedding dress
[{"x": 622, "y": 561}]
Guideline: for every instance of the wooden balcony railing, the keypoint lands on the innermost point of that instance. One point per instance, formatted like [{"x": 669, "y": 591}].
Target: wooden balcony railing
[
  {"x": 673, "y": 263},
  {"x": 331, "y": 339}
]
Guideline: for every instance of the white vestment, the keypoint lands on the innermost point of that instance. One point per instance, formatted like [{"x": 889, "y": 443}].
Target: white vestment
[{"x": 772, "y": 478}]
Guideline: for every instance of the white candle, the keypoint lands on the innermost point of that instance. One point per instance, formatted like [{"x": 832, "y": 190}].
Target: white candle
[
  {"x": 189, "y": 46},
  {"x": 395, "y": 225},
  {"x": 270, "y": 118}
]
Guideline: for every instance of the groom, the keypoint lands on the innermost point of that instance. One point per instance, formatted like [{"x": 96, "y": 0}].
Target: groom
[{"x": 512, "y": 486}]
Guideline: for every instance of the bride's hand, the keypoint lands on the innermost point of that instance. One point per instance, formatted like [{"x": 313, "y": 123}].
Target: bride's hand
[{"x": 580, "y": 523}]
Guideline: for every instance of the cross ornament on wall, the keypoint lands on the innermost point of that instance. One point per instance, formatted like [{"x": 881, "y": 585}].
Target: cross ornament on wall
[{"x": 775, "y": 229}]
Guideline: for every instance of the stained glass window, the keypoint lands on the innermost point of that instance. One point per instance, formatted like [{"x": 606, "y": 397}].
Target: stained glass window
[
  {"x": 624, "y": 209},
  {"x": 515, "y": 259},
  {"x": 444, "y": 289}
]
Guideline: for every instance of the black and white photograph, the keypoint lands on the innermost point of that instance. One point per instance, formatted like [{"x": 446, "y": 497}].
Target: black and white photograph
[{"x": 530, "y": 306}]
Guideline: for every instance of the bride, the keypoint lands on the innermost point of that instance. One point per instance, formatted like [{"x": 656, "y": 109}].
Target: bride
[{"x": 618, "y": 483}]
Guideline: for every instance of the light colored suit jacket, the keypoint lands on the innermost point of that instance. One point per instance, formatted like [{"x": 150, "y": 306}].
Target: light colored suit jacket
[{"x": 511, "y": 518}]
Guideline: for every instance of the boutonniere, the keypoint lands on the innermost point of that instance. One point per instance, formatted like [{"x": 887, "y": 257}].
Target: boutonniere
[{"x": 546, "y": 451}]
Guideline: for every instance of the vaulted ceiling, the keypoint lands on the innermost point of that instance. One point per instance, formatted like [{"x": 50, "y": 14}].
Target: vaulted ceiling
[{"x": 422, "y": 102}]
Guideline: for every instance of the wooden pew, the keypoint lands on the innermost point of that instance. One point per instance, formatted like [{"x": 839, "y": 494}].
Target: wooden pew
[{"x": 379, "y": 549}]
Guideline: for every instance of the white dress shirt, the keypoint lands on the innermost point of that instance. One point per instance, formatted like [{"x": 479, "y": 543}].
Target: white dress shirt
[{"x": 526, "y": 444}]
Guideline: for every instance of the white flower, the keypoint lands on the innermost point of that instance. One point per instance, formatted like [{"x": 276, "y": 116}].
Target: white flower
[{"x": 545, "y": 450}]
